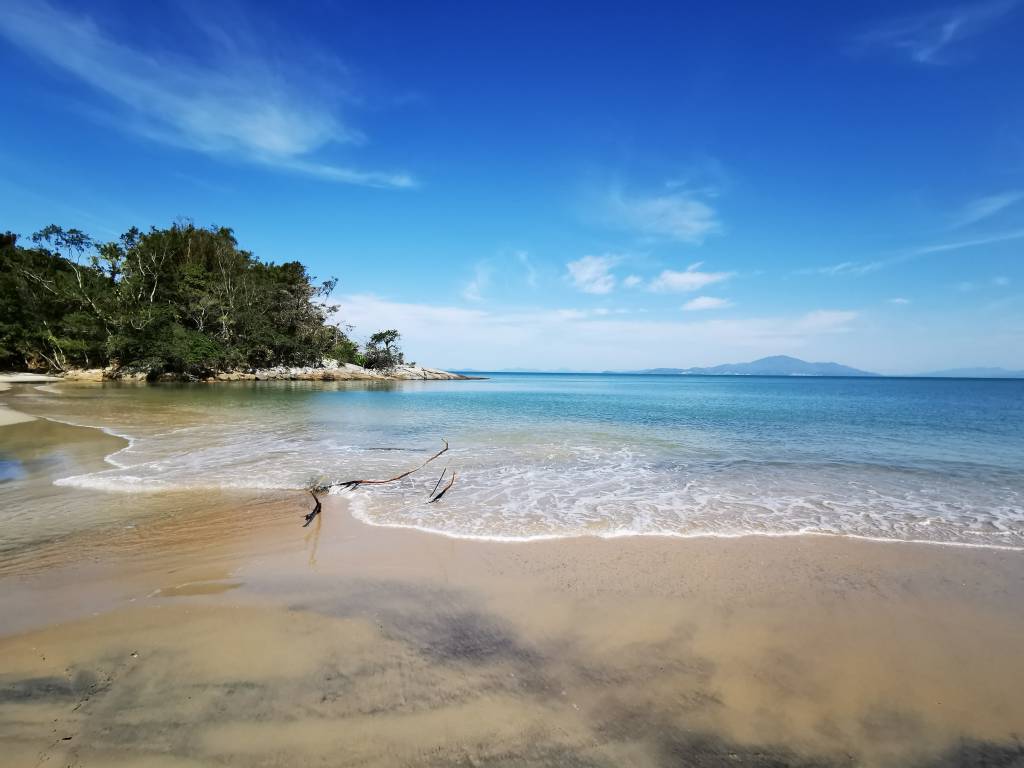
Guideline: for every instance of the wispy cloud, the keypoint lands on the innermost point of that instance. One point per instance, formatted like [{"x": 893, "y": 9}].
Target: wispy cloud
[
  {"x": 474, "y": 289},
  {"x": 492, "y": 275},
  {"x": 692, "y": 279},
  {"x": 530, "y": 271},
  {"x": 826, "y": 321},
  {"x": 910, "y": 254},
  {"x": 843, "y": 268},
  {"x": 985, "y": 207},
  {"x": 956, "y": 245},
  {"x": 592, "y": 274},
  {"x": 594, "y": 339},
  {"x": 632, "y": 281},
  {"x": 899, "y": 300},
  {"x": 706, "y": 302},
  {"x": 967, "y": 286},
  {"x": 926, "y": 37},
  {"x": 245, "y": 104},
  {"x": 679, "y": 215}
]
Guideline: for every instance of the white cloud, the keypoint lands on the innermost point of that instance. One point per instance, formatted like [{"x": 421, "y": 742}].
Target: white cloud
[
  {"x": 592, "y": 274},
  {"x": 587, "y": 340},
  {"x": 632, "y": 281},
  {"x": 690, "y": 280},
  {"x": 985, "y": 207},
  {"x": 899, "y": 300},
  {"x": 925, "y": 37},
  {"x": 245, "y": 104},
  {"x": 706, "y": 302},
  {"x": 678, "y": 216}
]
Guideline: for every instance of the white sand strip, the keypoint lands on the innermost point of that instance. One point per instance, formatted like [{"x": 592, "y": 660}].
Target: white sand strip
[
  {"x": 26, "y": 378},
  {"x": 7, "y": 416}
]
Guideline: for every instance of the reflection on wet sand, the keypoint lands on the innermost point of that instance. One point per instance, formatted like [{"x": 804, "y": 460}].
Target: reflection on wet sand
[
  {"x": 403, "y": 649},
  {"x": 217, "y": 631}
]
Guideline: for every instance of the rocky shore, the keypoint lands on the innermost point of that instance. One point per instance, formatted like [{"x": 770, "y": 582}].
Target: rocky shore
[{"x": 329, "y": 371}]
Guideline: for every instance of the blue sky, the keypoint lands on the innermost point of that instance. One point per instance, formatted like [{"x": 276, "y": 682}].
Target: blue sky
[{"x": 598, "y": 186}]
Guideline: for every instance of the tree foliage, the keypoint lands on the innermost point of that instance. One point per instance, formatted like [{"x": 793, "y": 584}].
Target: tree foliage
[
  {"x": 382, "y": 351},
  {"x": 183, "y": 299}
]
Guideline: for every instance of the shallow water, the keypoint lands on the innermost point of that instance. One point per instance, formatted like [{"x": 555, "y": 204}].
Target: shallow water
[{"x": 565, "y": 455}]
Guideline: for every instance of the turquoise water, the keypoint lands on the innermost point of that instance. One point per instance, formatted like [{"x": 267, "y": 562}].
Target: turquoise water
[{"x": 563, "y": 455}]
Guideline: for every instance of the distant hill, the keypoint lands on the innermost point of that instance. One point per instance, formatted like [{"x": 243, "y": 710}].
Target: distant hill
[
  {"x": 778, "y": 365},
  {"x": 975, "y": 373}
]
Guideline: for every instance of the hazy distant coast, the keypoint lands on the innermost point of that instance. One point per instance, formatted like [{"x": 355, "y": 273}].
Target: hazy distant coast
[{"x": 784, "y": 365}]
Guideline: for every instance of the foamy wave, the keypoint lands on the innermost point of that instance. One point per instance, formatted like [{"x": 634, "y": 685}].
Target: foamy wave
[
  {"x": 125, "y": 483},
  {"x": 526, "y": 486},
  {"x": 624, "y": 495}
]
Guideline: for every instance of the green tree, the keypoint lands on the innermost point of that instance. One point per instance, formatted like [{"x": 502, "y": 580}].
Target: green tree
[
  {"x": 180, "y": 299},
  {"x": 382, "y": 351}
]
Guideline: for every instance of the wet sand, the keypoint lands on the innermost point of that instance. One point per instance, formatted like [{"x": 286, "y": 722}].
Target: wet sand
[{"x": 214, "y": 630}]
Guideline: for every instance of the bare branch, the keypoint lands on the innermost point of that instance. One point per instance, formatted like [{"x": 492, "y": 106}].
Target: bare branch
[
  {"x": 443, "y": 490},
  {"x": 316, "y": 511},
  {"x": 357, "y": 483}
]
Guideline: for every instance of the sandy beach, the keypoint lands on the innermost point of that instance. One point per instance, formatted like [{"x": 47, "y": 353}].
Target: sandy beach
[
  {"x": 215, "y": 630},
  {"x": 8, "y": 415}
]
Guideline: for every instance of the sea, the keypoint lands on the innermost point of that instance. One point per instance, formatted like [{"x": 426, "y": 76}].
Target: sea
[{"x": 535, "y": 456}]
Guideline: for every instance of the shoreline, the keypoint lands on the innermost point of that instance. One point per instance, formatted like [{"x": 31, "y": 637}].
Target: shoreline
[
  {"x": 331, "y": 371},
  {"x": 681, "y": 536},
  {"x": 211, "y": 628},
  {"x": 13, "y": 416}
]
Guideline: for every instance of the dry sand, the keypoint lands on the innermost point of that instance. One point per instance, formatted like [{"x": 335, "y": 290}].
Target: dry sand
[{"x": 217, "y": 631}]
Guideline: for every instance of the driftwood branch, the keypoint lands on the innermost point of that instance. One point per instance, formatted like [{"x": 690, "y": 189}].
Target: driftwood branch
[
  {"x": 443, "y": 490},
  {"x": 438, "y": 483},
  {"x": 316, "y": 510},
  {"x": 357, "y": 483},
  {"x": 324, "y": 488}
]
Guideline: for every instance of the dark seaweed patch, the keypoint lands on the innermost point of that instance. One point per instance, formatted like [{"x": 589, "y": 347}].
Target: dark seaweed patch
[
  {"x": 441, "y": 624},
  {"x": 886, "y": 725},
  {"x": 704, "y": 750},
  {"x": 37, "y": 688},
  {"x": 467, "y": 636},
  {"x": 83, "y": 683},
  {"x": 979, "y": 754}
]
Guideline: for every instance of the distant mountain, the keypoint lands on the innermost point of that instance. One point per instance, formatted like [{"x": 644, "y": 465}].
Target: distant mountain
[
  {"x": 778, "y": 365},
  {"x": 975, "y": 373}
]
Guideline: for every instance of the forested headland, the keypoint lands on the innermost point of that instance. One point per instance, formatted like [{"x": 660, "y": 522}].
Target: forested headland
[{"x": 178, "y": 300}]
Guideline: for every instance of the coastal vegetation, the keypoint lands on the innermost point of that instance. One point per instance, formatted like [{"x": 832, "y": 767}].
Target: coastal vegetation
[{"x": 178, "y": 300}]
